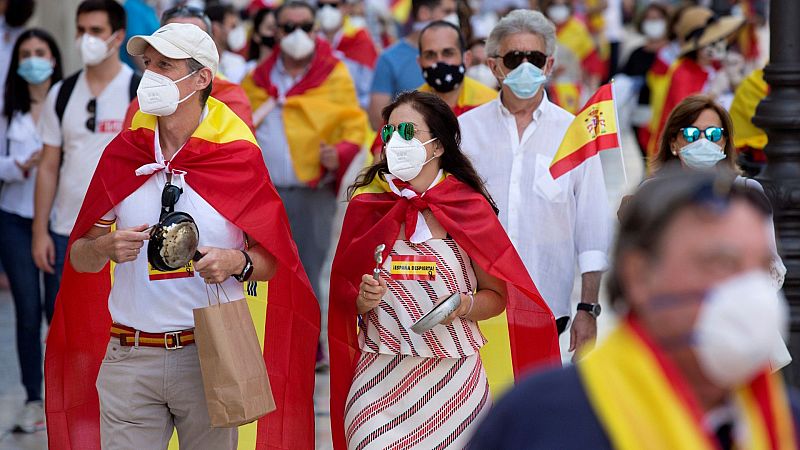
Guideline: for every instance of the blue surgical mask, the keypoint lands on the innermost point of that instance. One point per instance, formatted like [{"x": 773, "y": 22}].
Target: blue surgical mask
[
  {"x": 702, "y": 154},
  {"x": 35, "y": 70},
  {"x": 525, "y": 80}
]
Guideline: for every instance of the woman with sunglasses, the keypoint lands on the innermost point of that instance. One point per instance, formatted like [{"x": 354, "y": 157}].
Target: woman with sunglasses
[
  {"x": 35, "y": 66},
  {"x": 699, "y": 135},
  {"x": 425, "y": 216}
]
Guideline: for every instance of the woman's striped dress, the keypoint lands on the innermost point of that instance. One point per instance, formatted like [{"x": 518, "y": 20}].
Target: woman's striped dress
[{"x": 412, "y": 391}]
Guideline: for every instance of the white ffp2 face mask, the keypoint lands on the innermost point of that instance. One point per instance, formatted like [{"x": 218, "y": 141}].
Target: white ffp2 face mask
[
  {"x": 93, "y": 50},
  {"x": 734, "y": 335},
  {"x": 237, "y": 38},
  {"x": 159, "y": 95},
  {"x": 298, "y": 45},
  {"x": 406, "y": 158},
  {"x": 330, "y": 18}
]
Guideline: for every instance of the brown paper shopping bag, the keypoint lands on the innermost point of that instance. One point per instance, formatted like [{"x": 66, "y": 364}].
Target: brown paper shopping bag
[{"x": 234, "y": 375}]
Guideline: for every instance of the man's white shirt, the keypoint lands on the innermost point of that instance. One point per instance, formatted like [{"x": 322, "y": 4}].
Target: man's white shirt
[
  {"x": 554, "y": 224},
  {"x": 166, "y": 305},
  {"x": 81, "y": 147}
]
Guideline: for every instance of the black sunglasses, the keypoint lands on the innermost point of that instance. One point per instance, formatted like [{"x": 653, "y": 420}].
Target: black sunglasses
[
  {"x": 182, "y": 11},
  {"x": 692, "y": 134},
  {"x": 169, "y": 198},
  {"x": 91, "y": 108},
  {"x": 332, "y": 4},
  {"x": 514, "y": 58},
  {"x": 288, "y": 28}
]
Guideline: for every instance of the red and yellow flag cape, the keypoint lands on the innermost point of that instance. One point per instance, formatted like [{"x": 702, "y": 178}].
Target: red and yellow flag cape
[
  {"x": 224, "y": 165},
  {"x": 221, "y": 89},
  {"x": 685, "y": 77},
  {"x": 574, "y": 35},
  {"x": 643, "y": 401},
  {"x": 321, "y": 107},
  {"x": 748, "y": 95},
  {"x": 374, "y": 217},
  {"x": 356, "y": 44},
  {"x": 566, "y": 95}
]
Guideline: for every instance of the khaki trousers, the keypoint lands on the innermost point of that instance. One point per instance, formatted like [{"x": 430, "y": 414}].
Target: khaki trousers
[{"x": 146, "y": 391}]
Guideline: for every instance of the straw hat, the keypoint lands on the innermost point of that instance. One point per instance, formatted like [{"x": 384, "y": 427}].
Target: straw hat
[{"x": 698, "y": 27}]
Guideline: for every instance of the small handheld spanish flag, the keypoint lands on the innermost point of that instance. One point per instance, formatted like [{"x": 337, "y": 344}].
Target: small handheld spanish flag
[{"x": 593, "y": 130}]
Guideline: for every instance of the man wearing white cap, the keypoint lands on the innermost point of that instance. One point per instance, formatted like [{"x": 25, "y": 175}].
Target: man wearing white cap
[{"x": 188, "y": 152}]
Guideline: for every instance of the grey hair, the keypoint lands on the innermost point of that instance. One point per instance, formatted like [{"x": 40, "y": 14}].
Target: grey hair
[
  {"x": 522, "y": 21},
  {"x": 195, "y": 66}
]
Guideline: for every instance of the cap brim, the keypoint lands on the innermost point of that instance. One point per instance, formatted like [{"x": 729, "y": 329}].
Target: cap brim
[
  {"x": 721, "y": 29},
  {"x": 138, "y": 44}
]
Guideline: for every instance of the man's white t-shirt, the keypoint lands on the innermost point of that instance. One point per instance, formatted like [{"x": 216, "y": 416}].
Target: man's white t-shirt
[
  {"x": 161, "y": 305},
  {"x": 81, "y": 147}
]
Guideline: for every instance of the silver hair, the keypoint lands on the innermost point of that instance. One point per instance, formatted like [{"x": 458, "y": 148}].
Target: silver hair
[{"x": 522, "y": 21}]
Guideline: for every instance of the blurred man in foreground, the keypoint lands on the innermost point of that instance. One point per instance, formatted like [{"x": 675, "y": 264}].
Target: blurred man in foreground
[{"x": 688, "y": 366}]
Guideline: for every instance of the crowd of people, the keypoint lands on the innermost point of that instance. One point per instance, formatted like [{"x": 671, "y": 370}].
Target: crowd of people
[{"x": 358, "y": 163}]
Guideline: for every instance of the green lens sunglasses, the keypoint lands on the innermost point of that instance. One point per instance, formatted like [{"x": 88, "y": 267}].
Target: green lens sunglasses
[{"x": 404, "y": 129}]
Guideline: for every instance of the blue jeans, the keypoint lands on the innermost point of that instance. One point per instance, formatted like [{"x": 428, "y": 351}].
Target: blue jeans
[{"x": 15, "y": 254}]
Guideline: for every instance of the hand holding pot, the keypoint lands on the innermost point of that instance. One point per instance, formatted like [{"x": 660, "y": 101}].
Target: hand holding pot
[{"x": 122, "y": 245}]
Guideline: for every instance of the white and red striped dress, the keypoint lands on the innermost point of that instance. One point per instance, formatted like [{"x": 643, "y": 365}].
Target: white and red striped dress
[{"x": 418, "y": 391}]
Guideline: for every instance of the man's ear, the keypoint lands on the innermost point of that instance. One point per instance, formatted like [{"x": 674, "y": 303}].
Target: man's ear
[
  {"x": 467, "y": 59},
  {"x": 204, "y": 79}
]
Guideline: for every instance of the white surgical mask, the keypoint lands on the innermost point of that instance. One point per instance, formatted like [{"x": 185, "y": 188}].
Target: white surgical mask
[
  {"x": 406, "y": 158},
  {"x": 452, "y": 18},
  {"x": 358, "y": 22},
  {"x": 735, "y": 331},
  {"x": 717, "y": 51},
  {"x": 159, "y": 95},
  {"x": 237, "y": 38},
  {"x": 701, "y": 154},
  {"x": 483, "y": 74},
  {"x": 330, "y": 18},
  {"x": 654, "y": 28},
  {"x": 298, "y": 45},
  {"x": 558, "y": 13},
  {"x": 93, "y": 50}
]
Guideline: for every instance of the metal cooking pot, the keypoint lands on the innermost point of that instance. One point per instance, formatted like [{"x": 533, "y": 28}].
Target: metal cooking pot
[
  {"x": 437, "y": 314},
  {"x": 173, "y": 242}
]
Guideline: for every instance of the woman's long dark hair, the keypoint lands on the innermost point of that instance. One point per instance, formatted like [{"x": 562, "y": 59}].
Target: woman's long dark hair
[
  {"x": 443, "y": 125},
  {"x": 254, "y": 49},
  {"x": 16, "y": 95}
]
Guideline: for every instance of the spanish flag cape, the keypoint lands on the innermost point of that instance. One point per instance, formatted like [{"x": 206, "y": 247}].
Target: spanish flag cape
[
  {"x": 574, "y": 35},
  {"x": 566, "y": 95},
  {"x": 356, "y": 44},
  {"x": 321, "y": 108},
  {"x": 231, "y": 94},
  {"x": 643, "y": 401},
  {"x": 224, "y": 165},
  {"x": 685, "y": 78},
  {"x": 657, "y": 80},
  {"x": 473, "y": 94},
  {"x": 374, "y": 217},
  {"x": 748, "y": 95}
]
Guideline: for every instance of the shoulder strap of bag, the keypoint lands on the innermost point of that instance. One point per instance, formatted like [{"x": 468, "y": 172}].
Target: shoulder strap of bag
[
  {"x": 135, "y": 79},
  {"x": 67, "y": 86}
]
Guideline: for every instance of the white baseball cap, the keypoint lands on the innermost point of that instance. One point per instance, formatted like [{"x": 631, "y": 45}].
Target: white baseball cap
[{"x": 179, "y": 41}]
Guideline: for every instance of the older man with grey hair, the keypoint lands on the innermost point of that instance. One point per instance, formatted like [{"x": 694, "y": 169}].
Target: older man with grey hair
[{"x": 554, "y": 224}]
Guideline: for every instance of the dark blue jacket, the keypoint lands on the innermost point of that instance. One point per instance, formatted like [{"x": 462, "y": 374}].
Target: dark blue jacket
[{"x": 550, "y": 410}]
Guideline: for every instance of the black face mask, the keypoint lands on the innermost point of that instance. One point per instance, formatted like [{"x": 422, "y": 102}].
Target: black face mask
[
  {"x": 443, "y": 77},
  {"x": 267, "y": 41}
]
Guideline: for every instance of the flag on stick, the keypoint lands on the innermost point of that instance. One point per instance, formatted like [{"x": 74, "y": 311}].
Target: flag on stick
[{"x": 593, "y": 130}]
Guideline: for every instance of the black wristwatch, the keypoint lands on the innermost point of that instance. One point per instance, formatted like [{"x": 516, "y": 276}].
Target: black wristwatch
[
  {"x": 592, "y": 308},
  {"x": 247, "y": 270}
]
